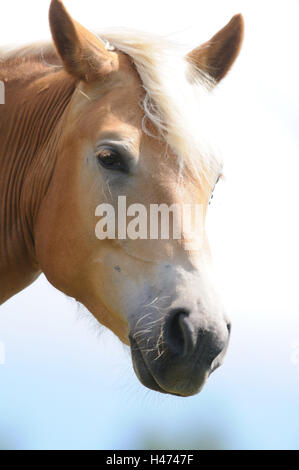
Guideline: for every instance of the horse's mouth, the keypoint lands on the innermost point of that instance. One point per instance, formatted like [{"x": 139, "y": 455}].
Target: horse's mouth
[
  {"x": 142, "y": 370},
  {"x": 178, "y": 364},
  {"x": 149, "y": 380}
]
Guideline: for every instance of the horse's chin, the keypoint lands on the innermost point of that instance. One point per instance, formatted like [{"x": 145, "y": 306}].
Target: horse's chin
[{"x": 149, "y": 380}]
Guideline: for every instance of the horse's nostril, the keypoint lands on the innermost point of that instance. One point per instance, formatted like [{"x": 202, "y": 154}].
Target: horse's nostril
[
  {"x": 184, "y": 337},
  {"x": 176, "y": 331}
]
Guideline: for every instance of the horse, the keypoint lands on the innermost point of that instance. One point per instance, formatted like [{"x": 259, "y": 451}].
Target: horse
[{"x": 89, "y": 118}]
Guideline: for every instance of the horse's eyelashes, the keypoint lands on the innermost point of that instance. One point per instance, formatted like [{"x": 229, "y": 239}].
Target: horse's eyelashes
[{"x": 212, "y": 193}]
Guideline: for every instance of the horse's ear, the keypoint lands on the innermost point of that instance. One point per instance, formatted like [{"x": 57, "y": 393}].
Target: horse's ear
[
  {"x": 83, "y": 55},
  {"x": 216, "y": 56}
]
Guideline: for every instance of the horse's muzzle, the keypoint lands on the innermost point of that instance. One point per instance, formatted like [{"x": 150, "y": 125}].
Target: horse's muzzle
[{"x": 179, "y": 356}]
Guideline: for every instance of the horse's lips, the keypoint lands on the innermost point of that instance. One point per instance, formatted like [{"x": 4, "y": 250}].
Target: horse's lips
[
  {"x": 148, "y": 379},
  {"x": 145, "y": 377}
]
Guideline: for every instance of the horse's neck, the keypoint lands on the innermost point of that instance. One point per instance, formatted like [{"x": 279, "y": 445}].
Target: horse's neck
[{"x": 35, "y": 100}]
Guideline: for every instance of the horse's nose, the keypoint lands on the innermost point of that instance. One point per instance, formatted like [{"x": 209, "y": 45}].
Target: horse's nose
[
  {"x": 186, "y": 337},
  {"x": 179, "y": 354}
]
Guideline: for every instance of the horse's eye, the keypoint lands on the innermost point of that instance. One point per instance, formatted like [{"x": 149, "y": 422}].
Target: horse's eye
[{"x": 111, "y": 159}]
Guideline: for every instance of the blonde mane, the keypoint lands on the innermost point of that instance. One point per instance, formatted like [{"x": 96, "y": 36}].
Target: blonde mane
[{"x": 177, "y": 94}]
